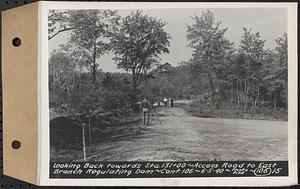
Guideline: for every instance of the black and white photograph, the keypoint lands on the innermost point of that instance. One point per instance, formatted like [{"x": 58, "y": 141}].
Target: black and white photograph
[{"x": 196, "y": 84}]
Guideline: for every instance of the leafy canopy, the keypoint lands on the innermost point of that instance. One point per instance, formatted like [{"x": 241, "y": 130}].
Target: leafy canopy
[
  {"x": 138, "y": 42},
  {"x": 207, "y": 38}
]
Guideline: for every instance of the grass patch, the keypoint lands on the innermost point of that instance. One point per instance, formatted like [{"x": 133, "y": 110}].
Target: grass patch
[{"x": 233, "y": 111}]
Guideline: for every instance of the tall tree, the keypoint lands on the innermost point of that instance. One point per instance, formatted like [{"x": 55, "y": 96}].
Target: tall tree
[
  {"x": 252, "y": 49},
  {"x": 62, "y": 77},
  {"x": 276, "y": 73},
  {"x": 90, "y": 36},
  {"x": 210, "y": 48},
  {"x": 282, "y": 57},
  {"x": 138, "y": 43}
]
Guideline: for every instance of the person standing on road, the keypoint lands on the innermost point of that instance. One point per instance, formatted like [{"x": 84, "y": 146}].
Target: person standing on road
[
  {"x": 165, "y": 101},
  {"x": 145, "y": 111}
]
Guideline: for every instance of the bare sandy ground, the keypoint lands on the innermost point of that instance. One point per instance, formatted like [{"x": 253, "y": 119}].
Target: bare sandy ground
[{"x": 183, "y": 137}]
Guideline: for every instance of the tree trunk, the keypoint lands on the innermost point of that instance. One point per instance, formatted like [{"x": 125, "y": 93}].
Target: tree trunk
[
  {"x": 67, "y": 87},
  {"x": 74, "y": 81},
  {"x": 146, "y": 87},
  {"x": 275, "y": 101},
  {"x": 90, "y": 132},
  {"x": 94, "y": 69},
  {"x": 94, "y": 73},
  {"x": 212, "y": 88},
  {"x": 232, "y": 96},
  {"x": 237, "y": 92},
  {"x": 53, "y": 76},
  {"x": 133, "y": 81},
  {"x": 59, "y": 79},
  {"x": 134, "y": 87},
  {"x": 246, "y": 96},
  {"x": 83, "y": 142},
  {"x": 80, "y": 82},
  {"x": 257, "y": 98}
]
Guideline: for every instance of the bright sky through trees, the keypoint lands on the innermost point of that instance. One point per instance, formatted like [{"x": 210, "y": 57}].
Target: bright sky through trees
[{"x": 271, "y": 23}]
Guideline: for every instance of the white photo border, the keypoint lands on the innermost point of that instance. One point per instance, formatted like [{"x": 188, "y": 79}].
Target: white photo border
[{"x": 44, "y": 138}]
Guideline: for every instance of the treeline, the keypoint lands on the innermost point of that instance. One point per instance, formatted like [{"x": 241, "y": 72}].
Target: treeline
[
  {"x": 219, "y": 73},
  {"x": 249, "y": 76},
  {"x": 77, "y": 84},
  {"x": 73, "y": 92}
]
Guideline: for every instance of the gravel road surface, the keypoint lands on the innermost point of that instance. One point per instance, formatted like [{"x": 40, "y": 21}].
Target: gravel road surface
[{"x": 183, "y": 137}]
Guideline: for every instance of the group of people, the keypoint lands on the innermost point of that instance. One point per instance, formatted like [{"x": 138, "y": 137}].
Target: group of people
[{"x": 168, "y": 102}]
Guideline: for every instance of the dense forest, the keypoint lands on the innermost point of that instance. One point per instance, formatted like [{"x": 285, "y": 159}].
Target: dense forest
[{"x": 221, "y": 79}]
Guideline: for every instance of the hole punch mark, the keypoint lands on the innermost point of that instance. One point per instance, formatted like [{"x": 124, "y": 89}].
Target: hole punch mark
[
  {"x": 16, "y": 144},
  {"x": 16, "y": 42}
]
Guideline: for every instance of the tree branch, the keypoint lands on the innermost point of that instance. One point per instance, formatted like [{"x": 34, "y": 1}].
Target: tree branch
[{"x": 60, "y": 31}]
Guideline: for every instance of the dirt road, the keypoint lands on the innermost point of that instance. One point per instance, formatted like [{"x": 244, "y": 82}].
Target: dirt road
[{"x": 183, "y": 137}]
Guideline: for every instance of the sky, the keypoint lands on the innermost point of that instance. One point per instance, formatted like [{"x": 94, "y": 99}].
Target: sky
[{"x": 271, "y": 23}]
